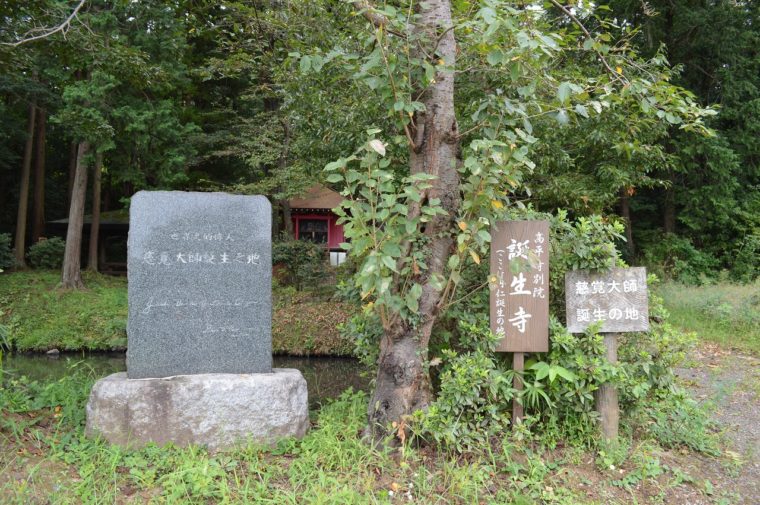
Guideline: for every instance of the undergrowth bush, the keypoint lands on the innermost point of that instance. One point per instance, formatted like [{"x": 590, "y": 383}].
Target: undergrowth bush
[
  {"x": 676, "y": 258},
  {"x": 475, "y": 383},
  {"x": 746, "y": 264},
  {"x": 67, "y": 395},
  {"x": 304, "y": 262},
  {"x": 365, "y": 330},
  {"x": 474, "y": 401},
  {"x": 47, "y": 253}
]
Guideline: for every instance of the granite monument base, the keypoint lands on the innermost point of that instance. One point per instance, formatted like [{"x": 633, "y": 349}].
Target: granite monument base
[{"x": 215, "y": 410}]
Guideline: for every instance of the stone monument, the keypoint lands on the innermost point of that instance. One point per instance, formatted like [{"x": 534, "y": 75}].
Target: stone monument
[{"x": 199, "y": 359}]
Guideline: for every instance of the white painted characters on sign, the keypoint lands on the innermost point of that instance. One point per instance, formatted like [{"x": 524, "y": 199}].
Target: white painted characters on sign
[{"x": 520, "y": 319}]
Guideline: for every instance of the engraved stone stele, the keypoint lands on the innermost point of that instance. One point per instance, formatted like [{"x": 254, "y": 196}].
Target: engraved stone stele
[
  {"x": 200, "y": 284},
  {"x": 199, "y": 358}
]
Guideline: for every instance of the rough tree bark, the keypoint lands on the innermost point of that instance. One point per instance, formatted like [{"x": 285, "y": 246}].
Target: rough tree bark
[
  {"x": 72, "y": 171},
  {"x": 23, "y": 198},
  {"x": 71, "y": 277},
  {"x": 38, "y": 213},
  {"x": 92, "y": 257},
  {"x": 403, "y": 384},
  {"x": 287, "y": 220}
]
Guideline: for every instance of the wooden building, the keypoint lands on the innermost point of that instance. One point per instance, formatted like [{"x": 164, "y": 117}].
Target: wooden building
[{"x": 315, "y": 221}]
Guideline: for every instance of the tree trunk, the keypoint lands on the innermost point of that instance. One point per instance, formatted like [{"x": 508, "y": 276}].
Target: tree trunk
[
  {"x": 92, "y": 258},
  {"x": 403, "y": 383},
  {"x": 287, "y": 221},
  {"x": 71, "y": 277},
  {"x": 23, "y": 198},
  {"x": 625, "y": 213},
  {"x": 669, "y": 211},
  {"x": 38, "y": 213},
  {"x": 72, "y": 172}
]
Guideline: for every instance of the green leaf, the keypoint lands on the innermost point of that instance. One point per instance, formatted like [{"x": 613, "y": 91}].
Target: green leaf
[
  {"x": 453, "y": 262},
  {"x": 334, "y": 165},
  {"x": 495, "y": 57},
  {"x": 563, "y": 92},
  {"x": 388, "y": 262},
  {"x": 305, "y": 64},
  {"x": 580, "y": 109}
]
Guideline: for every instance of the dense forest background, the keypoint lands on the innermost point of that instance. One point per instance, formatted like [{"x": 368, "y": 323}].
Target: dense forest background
[{"x": 207, "y": 95}]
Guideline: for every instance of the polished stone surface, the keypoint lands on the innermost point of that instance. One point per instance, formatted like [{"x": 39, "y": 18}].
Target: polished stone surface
[{"x": 200, "y": 276}]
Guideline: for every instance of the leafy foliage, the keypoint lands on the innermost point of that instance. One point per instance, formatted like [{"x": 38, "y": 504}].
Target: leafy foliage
[
  {"x": 474, "y": 400},
  {"x": 746, "y": 267},
  {"x": 677, "y": 258},
  {"x": 47, "y": 253},
  {"x": 559, "y": 386},
  {"x": 304, "y": 262}
]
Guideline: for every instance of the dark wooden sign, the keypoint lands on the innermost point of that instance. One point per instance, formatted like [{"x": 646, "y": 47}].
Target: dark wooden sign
[
  {"x": 617, "y": 298},
  {"x": 519, "y": 282}
]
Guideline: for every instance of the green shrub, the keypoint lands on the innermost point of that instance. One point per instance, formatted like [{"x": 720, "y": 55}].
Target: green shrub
[
  {"x": 474, "y": 401},
  {"x": 681, "y": 422},
  {"x": 675, "y": 257},
  {"x": 7, "y": 260},
  {"x": 365, "y": 330},
  {"x": 746, "y": 264},
  {"x": 47, "y": 253},
  {"x": 475, "y": 391},
  {"x": 304, "y": 262}
]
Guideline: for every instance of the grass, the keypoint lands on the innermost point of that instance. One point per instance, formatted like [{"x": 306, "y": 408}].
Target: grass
[
  {"x": 35, "y": 315},
  {"x": 45, "y": 458},
  {"x": 38, "y": 316},
  {"x": 727, "y": 314}
]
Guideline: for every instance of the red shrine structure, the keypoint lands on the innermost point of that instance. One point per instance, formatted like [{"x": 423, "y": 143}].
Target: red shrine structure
[{"x": 315, "y": 221}]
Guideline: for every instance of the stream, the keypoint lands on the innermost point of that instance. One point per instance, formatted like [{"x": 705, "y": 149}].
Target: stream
[{"x": 326, "y": 377}]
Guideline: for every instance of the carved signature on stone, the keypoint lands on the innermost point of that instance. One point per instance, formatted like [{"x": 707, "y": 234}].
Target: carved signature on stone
[{"x": 199, "y": 303}]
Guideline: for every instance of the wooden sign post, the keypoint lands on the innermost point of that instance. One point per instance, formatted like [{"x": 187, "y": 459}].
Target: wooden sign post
[
  {"x": 619, "y": 300},
  {"x": 519, "y": 282}
]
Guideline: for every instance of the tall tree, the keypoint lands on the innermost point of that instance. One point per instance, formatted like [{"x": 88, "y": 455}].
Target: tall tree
[
  {"x": 23, "y": 199},
  {"x": 71, "y": 276},
  {"x": 412, "y": 227},
  {"x": 38, "y": 219},
  {"x": 92, "y": 261}
]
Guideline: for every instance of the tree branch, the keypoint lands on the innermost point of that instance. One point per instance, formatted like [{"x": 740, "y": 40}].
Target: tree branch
[
  {"x": 580, "y": 25},
  {"x": 379, "y": 20},
  {"x": 47, "y": 32}
]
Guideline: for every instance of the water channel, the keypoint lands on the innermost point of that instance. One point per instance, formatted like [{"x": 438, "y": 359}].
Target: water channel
[{"x": 326, "y": 377}]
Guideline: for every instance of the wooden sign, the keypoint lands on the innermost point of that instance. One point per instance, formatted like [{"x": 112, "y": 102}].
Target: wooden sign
[
  {"x": 617, "y": 298},
  {"x": 519, "y": 282}
]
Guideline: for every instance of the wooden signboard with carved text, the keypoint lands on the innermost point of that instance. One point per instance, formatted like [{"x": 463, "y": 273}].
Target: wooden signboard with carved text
[
  {"x": 519, "y": 283},
  {"x": 617, "y": 299}
]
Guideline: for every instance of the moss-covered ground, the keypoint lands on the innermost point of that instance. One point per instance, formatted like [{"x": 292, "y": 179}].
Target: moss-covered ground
[{"x": 36, "y": 315}]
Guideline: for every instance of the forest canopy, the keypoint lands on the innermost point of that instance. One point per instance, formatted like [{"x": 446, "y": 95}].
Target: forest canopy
[{"x": 233, "y": 95}]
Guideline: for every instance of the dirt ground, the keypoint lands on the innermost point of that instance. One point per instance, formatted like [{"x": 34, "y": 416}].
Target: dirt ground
[{"x": 729, "y": 385}]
